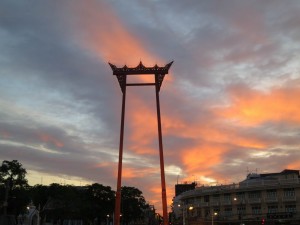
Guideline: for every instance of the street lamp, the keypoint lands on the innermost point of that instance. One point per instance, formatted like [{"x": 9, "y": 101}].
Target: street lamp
[
  {"x": 190, "y": 209},
  {"x": 212, "y": 217},
  {"x": 183, "y": 207},
  {"x": 107, "y": 219},
  {"x": 183, "y": 215},
  {"x": 239, "y": 211}
]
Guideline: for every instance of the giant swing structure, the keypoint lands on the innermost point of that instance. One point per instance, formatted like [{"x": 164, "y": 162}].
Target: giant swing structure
[{"x": 159, "y": 73}]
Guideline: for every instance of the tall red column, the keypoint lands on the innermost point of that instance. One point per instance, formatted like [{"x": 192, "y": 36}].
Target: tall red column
[
  {"x": 161, "y": 155},
  {"x": 119, "y": 182}
]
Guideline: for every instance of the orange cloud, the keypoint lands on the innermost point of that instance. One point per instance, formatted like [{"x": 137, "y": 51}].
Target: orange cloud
[
  {"x": 294, "y": 165},
  {"x": 157, "y": 197},
  {"x": 142, "y": 121},
  {"x": 211, "y": 133},
  {"x": 129, "y": 172},
  {"x": 251, "y": 107},
  {"x": 202, "y": 156},
  {"x": 104, "y": 34},
  {"x": 213, "y": 138},
  {"x": 50, "y": 139}
]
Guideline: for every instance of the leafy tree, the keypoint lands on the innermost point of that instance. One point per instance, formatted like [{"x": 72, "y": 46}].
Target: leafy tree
[
  {"x": 133, "y": 204},
  {"x": 59, "y": 202},
  {"x": 101, "y": 201},
  {"x": 39, "y": 195},
  {"x": 13, "y": 174},
  {"x": 62, "y": 203},
  {"x": 13, "y": 181}
]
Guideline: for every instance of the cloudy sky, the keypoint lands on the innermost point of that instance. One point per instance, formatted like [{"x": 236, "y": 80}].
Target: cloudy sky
[{"x": 230, "y": 104}]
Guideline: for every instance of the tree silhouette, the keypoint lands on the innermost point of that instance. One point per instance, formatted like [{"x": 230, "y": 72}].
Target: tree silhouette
[
  {"x": 13, "y": 174},
  {"x": 13, "y": 181},
  {"x": 133, "y": 205}
]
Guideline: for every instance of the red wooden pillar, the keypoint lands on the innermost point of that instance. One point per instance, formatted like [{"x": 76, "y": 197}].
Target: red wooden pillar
[
  {"x": 161, "y": 154},
  {"x": 119, "y": 182}
]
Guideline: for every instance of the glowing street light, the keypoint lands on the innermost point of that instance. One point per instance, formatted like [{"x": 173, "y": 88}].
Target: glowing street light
[
  {"x": 107, "y": 219},
  {"x": 239, "y": 211},
  {"x": 212, "y": 217},
  {"x": 183, "y": 216}
]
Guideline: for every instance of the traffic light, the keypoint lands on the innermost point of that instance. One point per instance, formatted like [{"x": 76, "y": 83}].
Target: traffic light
[{"x": 263, "y": 221}]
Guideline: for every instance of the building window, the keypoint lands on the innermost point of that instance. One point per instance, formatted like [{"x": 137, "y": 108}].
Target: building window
[
  {"x": 215, "y": 198},
  {"x": 241, "y": 210},
  {"x": 271, "y": 193},
  {"x": 216, "y": 210},
  {"x": 228, "y": 211},
  {"x": 289, "y": 192},
  {"x": 227, "y": 196},
  {"x": 206, "y": 198},
  {"x": 256, "y": 210},
  {"x": 207, "y": 213},
  {"x": 290, "y": 208},
  {"x": 272, "y": 209},
  {"x": 254, "y": 197},
  {"x": 199, "y": 212},
  {"x": 240, "y": 196},
  {"x": 254, "y": 194}
]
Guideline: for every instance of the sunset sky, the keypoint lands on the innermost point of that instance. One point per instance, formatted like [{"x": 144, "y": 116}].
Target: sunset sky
[{"x": 230, "y": 104}]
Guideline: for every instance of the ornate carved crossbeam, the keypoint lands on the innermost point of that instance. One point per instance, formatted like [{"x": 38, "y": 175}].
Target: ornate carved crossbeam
[
  {"x": 140, "y": 69},
  {"x": 122, "y": 72}
]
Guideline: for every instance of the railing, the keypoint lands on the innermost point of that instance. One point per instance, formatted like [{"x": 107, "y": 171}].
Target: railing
[
  {"x": 252, "y": 183},
  {"x": 254, "y": 200},
  {"x": 271, "y": 199},
  {"x": 226, "y": 202},
  {"x": 227, "y": 213},
  {"x": 204, "y": 204},
  {"x": 215, "y": 203},
  {"x": 289, "y": 198},
  {"x": 202, "y": 190}
]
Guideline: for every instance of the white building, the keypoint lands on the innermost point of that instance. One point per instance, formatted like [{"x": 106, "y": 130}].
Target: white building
[{"x": 272, "y": 198}]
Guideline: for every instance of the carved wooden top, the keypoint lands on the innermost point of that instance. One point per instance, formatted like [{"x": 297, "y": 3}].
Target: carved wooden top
[{"x": 140, "y": 69}]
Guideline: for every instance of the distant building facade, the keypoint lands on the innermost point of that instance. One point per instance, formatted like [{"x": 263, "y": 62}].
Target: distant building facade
[
  {"x": 180, "y": 188},
  {"x": 272, "y": 198}
]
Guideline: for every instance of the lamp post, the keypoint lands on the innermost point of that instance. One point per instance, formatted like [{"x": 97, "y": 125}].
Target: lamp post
[
  {"x": 183, "y": 207},
  {"x": 191, "y": 208},
  {"x": 212, "y": 217},
  {"x": 240, "y": 212},
  {"x": 107, "y": 219},
  {"x": 183, "y": 215}
]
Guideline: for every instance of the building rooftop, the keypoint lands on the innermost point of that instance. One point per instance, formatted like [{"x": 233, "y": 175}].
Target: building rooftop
[{"x": 252, "y": 181}]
